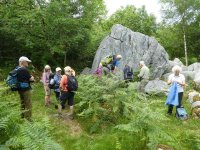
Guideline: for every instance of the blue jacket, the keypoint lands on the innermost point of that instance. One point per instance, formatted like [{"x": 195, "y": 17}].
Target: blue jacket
[
  {"x": 57, "y": 83},
  {"x": 172, "y": 98}
]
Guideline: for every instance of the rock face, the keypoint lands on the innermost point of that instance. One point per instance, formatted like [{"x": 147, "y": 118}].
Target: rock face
[
  {"x": 86, "y": 71},
  {"x": 156, "y": 87},
  {"x": 133, "y": 47},
  {"x": 194, "y": 67}
]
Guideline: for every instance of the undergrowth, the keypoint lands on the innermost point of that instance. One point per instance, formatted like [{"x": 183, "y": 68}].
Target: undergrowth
[
  {"x": 17, "y": 133},
  {"x": 110, "y": 115}
]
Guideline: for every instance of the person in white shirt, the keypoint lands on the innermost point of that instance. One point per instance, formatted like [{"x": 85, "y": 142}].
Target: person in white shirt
[{"x": 176, "y": 76}]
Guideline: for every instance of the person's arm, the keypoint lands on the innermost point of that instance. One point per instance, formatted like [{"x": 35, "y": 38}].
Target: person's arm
[
  {"x": 32, "y": 79},
  {"x": 169, "y": 80},
  {"x": 29, "y": 76},
  {"x": 44, "y": 78},
  {"x": 141, "y": 74},
  {"x": 63, "y": 82},
  {"x": 182, "y": 83}
]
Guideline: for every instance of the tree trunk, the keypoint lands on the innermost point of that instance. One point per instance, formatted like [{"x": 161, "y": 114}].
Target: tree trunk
[
  {"x": 65, "y": 59},
  {"x": 185, "y": 47}
]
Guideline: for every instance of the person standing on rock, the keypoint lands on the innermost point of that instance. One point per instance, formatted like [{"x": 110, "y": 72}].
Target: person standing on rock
[
  {"x": 115, "y": 63},
  {"x": 24, "y": 78},
  {"x": 110, "y": 64},
  {"x": 179, "y": 78},
  {"x": 144, "y": 76}
]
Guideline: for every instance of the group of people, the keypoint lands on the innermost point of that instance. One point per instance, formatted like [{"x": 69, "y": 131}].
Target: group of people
[
  {"x": 60, "y": 87},
  {"x": 63, "y": 94},
  {"x": 110, "y": 64}
]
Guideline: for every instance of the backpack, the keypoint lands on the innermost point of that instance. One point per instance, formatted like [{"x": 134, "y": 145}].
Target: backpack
[
  {"x": 107, "y": 60},
  {"x": 99, "y": 71},
  {"x": 181, "y": 113},
  {"x": 11, "y": 80},
  {"x": 72, "y": 84},
  {"x": 51, "y": 81},
  {"x": 129, "y": 72}
]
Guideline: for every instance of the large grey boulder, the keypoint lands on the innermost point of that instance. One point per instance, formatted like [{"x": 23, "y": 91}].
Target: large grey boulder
[
  {"x": 133, "y": 47},
  {"x": 194, "y": 67},
  {"x": 197, "y": 77},
  {"x": 178, "y": 62},
  {"x": 175, "y": 62},
  {"x": 156, "y": 87},
  {"x": 86, "y": 71},
  {"x": 189, "y": 75}
]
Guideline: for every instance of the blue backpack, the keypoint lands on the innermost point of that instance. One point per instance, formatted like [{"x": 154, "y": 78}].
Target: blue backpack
[
  {"x": 11, "y": 80},
  {"x": 181, "y": 113}
]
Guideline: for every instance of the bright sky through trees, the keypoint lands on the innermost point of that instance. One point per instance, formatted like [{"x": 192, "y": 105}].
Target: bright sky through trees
[{"x": 152, "y": 6}]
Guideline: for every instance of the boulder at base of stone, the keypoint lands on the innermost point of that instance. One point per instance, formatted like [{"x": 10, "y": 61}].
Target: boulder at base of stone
[
  {"x": 191, "y": 96},
  {"x": 175, "y": 62},
  {"x": 86, "y": 71},
  {"x": 197, "y": 77},
  {"x": 194, "y": 67},
  {"x": 157, "y": 87},
  {"x": 189, "y": 75}
]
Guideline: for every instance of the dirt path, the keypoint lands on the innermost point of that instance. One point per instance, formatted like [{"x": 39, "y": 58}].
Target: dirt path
[{"x": 74, "y": 126}]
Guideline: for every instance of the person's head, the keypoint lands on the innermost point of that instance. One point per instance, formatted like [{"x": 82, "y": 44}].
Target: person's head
[
  {"x": 142, "y": 64},
  {"x": 23, "y": 61},
  {"x": 68, "y": 70},
  {"x": 47, "y": 68},
  {"x": 176, "y": 70},
  {"x": 58, "y": 71},
  {"x": 119, "y": 57}
]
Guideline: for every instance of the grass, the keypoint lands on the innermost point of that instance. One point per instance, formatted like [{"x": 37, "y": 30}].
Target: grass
[{"x": 73, "y": 135}]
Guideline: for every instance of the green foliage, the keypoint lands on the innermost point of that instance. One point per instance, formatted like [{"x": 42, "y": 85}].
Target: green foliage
[
  {"x": 34, "y": 136},
  {"x": 136, "y": 19},
  {"x": 103, "y": 104},
  {"x": 180, "y": 18},
  {"x": 58, "y": 28},
  {"x": 16, "y": 133}
]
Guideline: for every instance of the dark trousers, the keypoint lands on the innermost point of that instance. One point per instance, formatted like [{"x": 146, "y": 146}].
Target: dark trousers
[
  {"x": 180, "y": 97},
  {"x": 57, "y": 96},
  {"x": 26, "y": 104},
  {"x": 67, "y": 96}
]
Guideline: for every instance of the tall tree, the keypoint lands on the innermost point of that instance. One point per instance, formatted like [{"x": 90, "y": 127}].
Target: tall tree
[
  {"x": 134, "y": 18},
  {"x": 48, "y": 28},
  {"x": 183, "y": 13}
]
